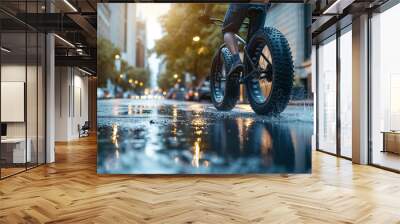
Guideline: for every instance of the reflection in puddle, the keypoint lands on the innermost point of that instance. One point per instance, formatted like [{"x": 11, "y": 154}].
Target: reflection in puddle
[
  {"x": 114, "y": 136},
  {"x": 177, "y": 137},
  {"x": 196, "y": 155}
]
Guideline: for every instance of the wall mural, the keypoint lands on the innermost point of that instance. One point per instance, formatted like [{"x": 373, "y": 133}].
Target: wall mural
[{"x": 204, "y": 88}]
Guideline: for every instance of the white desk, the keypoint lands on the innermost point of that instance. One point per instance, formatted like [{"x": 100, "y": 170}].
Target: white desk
[{"x": 19, "y": 155}]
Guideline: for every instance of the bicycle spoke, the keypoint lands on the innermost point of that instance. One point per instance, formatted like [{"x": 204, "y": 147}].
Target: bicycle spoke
[{"x": 266, "y": 59}]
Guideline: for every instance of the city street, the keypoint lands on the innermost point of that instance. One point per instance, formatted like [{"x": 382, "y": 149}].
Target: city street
[{"x": 166, "y": 136}]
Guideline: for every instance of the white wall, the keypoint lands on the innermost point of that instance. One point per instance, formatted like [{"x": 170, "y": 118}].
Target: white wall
[
  {"x": 12, "y": 73},
  {"x": 71, "y": 103},
  {"x": 16, "y": 73},
  {"x": 33, "y": 126},
  {"x": 80, "y": 110},
  {"x": 13, "y": 101},
  {"x": 61, "y": 103}
]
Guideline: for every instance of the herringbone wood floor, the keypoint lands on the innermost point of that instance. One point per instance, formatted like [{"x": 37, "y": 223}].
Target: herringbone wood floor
[{"x": 70, "y": 191}]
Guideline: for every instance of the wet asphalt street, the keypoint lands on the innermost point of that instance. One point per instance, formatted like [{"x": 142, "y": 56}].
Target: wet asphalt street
[{"x": 177, "y": 137}]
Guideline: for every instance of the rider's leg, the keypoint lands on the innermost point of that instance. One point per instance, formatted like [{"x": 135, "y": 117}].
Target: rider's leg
[
  {"x": 233, "y": 20},
  {"x": 257, "y": 20},
  {"x": 232, "y": 44}
]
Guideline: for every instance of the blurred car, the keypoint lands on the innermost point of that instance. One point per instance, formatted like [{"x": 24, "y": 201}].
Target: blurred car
[
  {"x": 176, "y": 93},
  {"x": 203, "y": 92},
  {"x": 126, "y": 95},
  {"x": 119, "y": 95},
  {"x": 104, "y": 94},
  {"x": 192, "y": 94}
]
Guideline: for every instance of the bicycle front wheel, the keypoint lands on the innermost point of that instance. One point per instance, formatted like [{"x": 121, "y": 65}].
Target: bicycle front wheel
[{"x": 269, "y": 91}]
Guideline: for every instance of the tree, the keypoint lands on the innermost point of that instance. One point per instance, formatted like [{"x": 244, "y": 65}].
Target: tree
[
  {"x": 106, "y": 69},
  {"x": 182, "y": 54},
  {"x": 138, "y": 76},
  {"x": 106, "y": 52}
]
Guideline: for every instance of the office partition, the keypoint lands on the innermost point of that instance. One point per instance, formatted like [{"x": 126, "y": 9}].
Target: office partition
[{"x": 22, "y": 77}]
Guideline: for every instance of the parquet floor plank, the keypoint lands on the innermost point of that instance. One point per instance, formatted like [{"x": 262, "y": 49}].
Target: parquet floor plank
[{"x": 70, "y": 191}]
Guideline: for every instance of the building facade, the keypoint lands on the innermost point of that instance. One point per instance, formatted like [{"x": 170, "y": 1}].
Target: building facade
[
  {"x": 141, "y": 41},
  {"x": 119, "y": 24},
  {"x": 297, "y": 32}
]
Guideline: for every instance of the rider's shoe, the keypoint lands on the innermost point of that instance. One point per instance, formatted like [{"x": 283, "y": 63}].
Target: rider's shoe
[{"x": 237, "y": 67}]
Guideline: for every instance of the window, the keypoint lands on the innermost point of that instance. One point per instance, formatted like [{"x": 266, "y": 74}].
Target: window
[
  {"x": 346, "y": 93},
  {"x": 327, "y": 96},
  {"x": 334, "y": 118},
  {"x": 385, "y": 89}
]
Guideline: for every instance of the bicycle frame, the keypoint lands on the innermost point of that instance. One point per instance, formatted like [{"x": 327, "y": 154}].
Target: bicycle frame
[
  {"x": 254, "y": 70},
  {"x": 241, "y": 40}
]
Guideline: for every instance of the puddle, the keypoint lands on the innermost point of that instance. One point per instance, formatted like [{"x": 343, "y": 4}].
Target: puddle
[{"x": 172, "y": 137}]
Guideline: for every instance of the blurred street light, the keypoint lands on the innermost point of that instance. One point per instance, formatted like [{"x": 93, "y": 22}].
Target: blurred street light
[
  {"x": 201, "y": 50},
  {"x": 196, "y": 38},
  {"x": 130, "y": 81},
  {"x": 141, "y": 84},
  {"x": 117, "y": 62},
  {"x": 136, "y": 81},
  {"x": 121, "y": 76},
  {"x": 179, "y": 80},
  {"x": 175, "y": 76}
]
